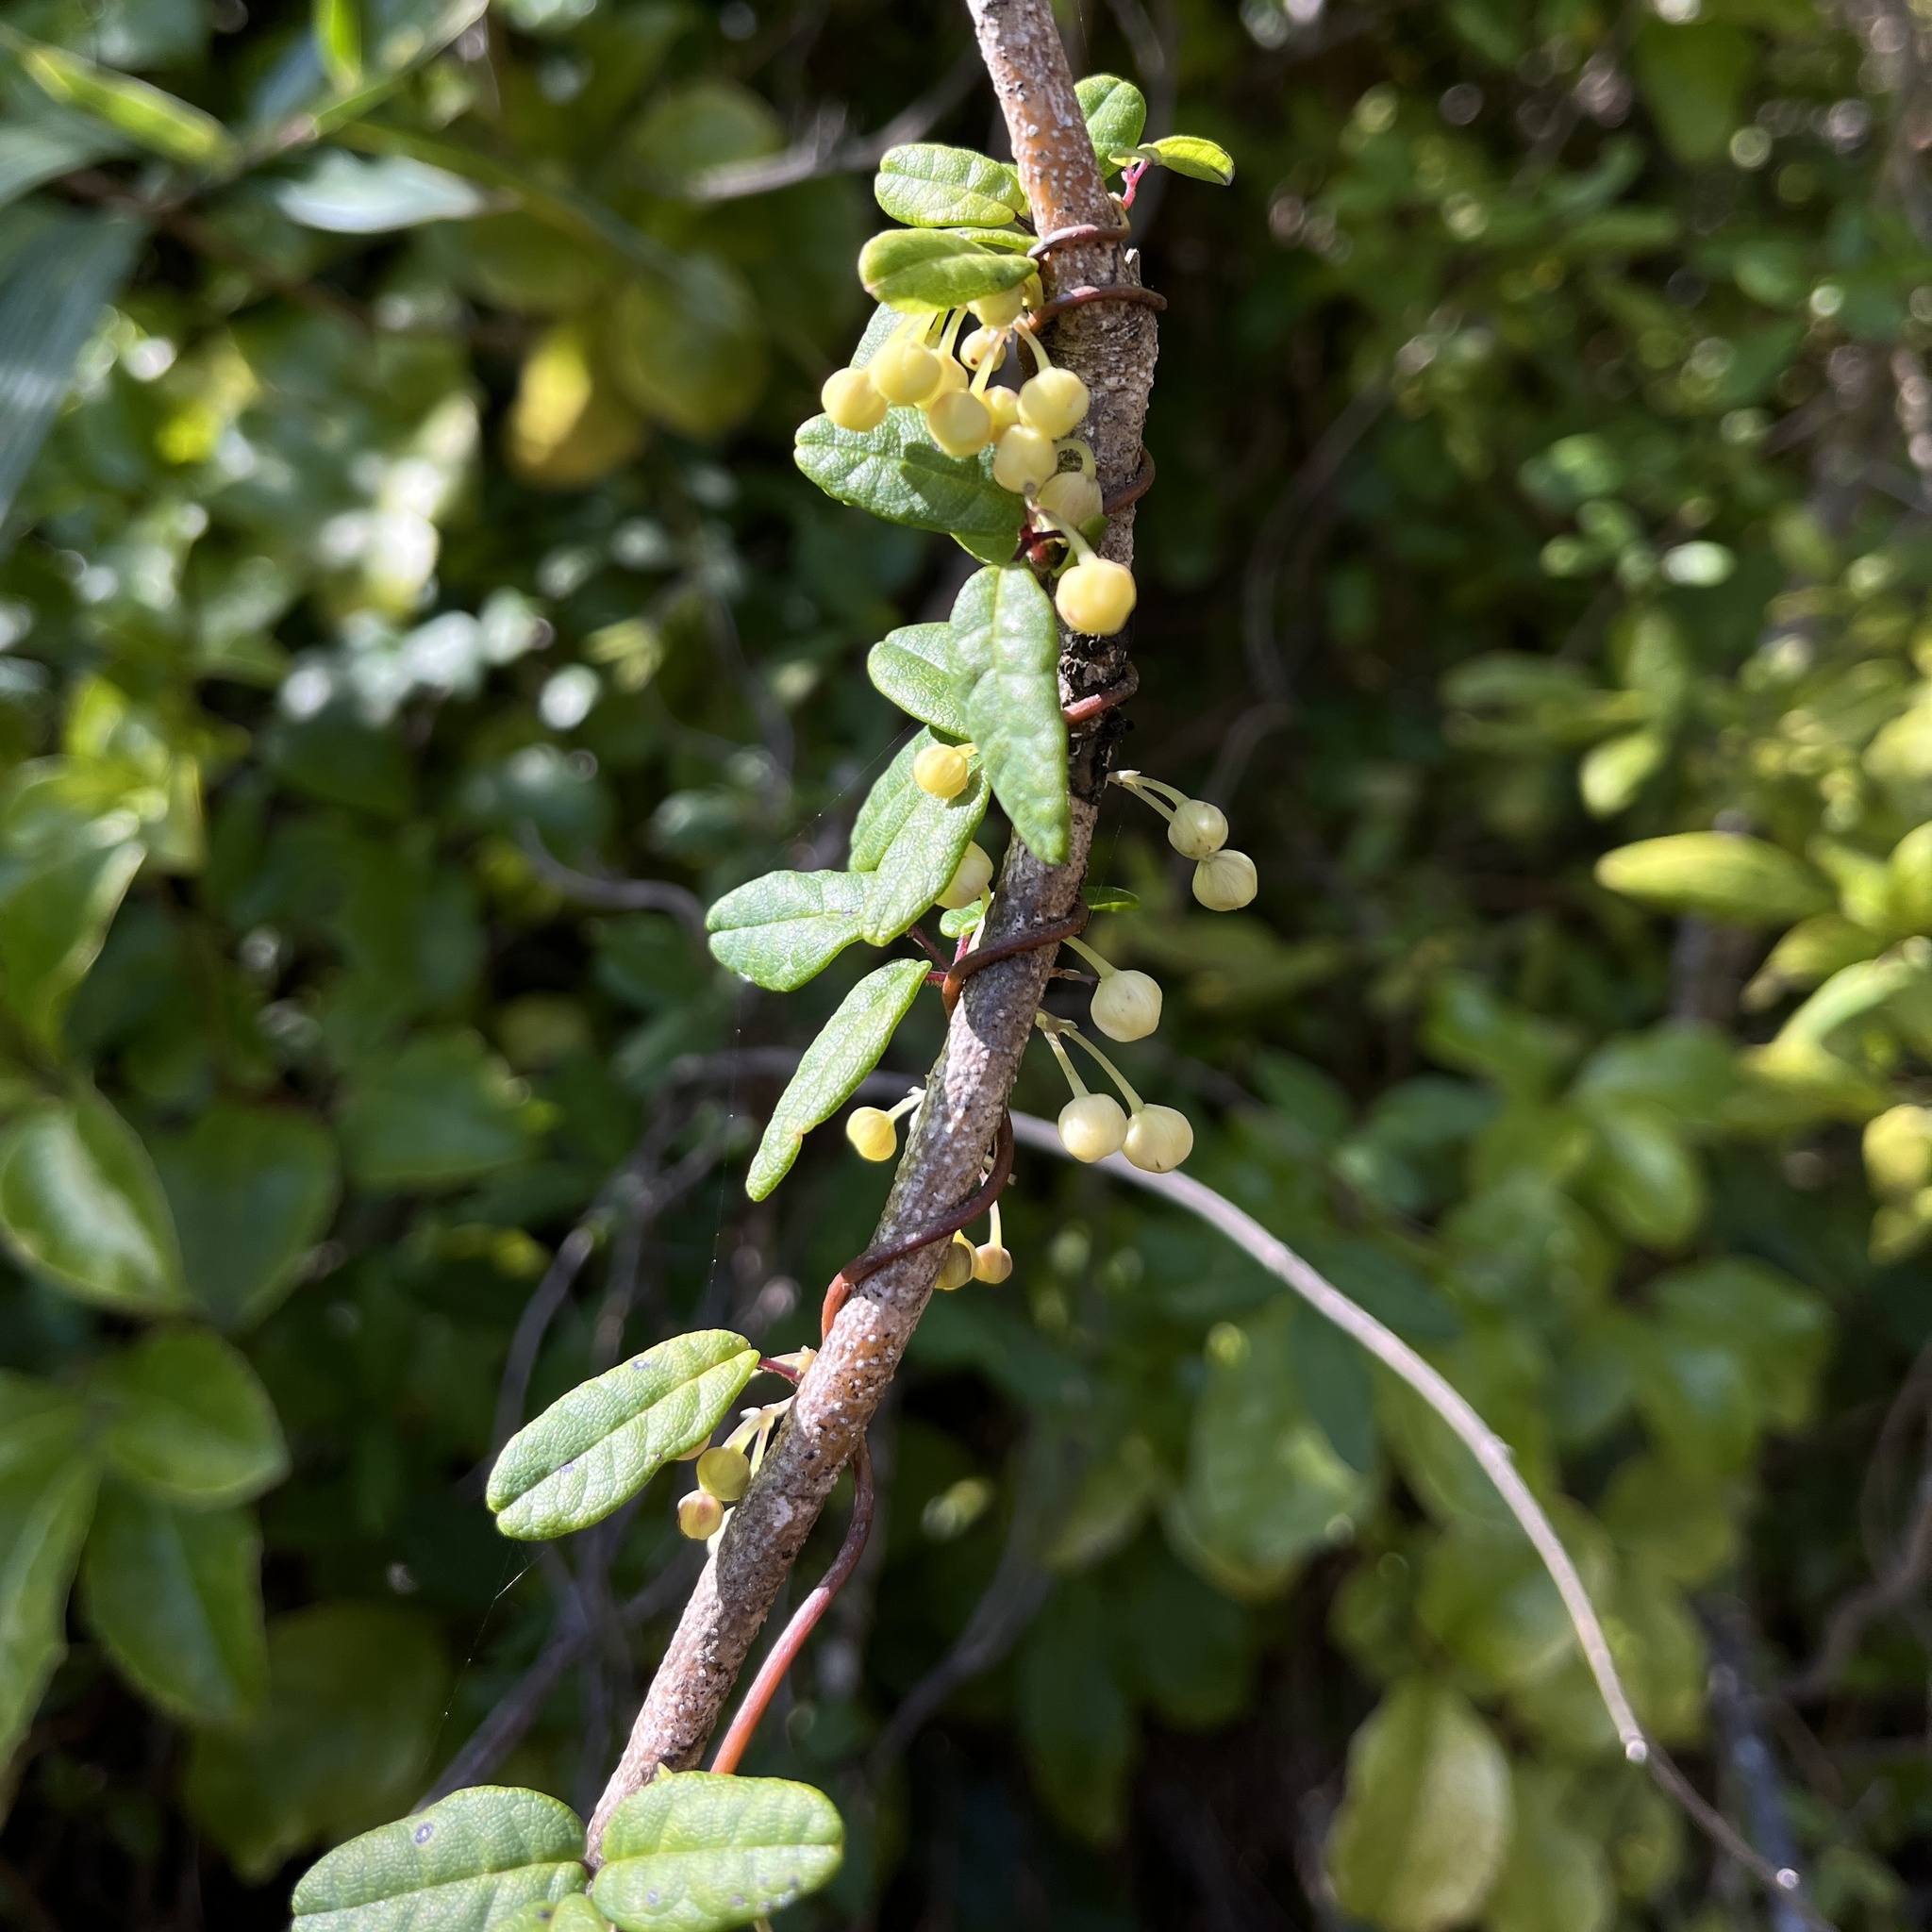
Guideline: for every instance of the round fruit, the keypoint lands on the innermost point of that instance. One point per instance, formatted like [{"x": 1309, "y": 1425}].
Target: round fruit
[
  {"x": 851, "y": 401},
  {"x": 1003, "y": 405},
  {"x": 991, "y": 1263},
  {"x": 1158, "y": 1140},
  {"x": 1227, "y": 882},
  {"x": 1025, "y": 460},
  {"x": 1001, "y": 310},
  {"x": 1073, "y": 497},
  {"x": 1127, "y": 1005},
  {"x": 1092, "y": 1126},
  {"x": 942, "y": 770},
  {"x": 872, "y": 1133},
  {"x": 700, "y": 1516},
  {"x": 956, "y": 1271},
  {"x": 904, "y": 371},
  {"x": 1197, "y": 829},
  {"x": 1096, "y": 597},
  {"x": 1053, "y": 402},
  {"x": 961, "y": 425},
  {"x": 724, "y": 1474},
  {"x": 973, "y": 877}
]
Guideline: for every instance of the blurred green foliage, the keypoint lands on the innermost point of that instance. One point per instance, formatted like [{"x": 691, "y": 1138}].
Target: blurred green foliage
[{"x": 403, "y": 546}]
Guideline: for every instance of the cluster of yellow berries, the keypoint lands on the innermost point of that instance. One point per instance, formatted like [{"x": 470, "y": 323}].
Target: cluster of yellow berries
[
  {"x": 724, "y": 1473},
  {"x": 1030, "y": 430},
  {"x": 1092, "y": 1126},
  {"x": 1224, "y": 880},
  {"x": 873, "y": 1133}
]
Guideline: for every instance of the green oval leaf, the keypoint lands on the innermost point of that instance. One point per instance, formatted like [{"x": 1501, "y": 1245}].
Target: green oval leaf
[
  {"x": 1189, "y": 155},
  {"x": 342, "y": 195},
  {"x": 930, "y": 186},
  {"x": 593, "y": 1450},
  {"x": 780, "y": 930},
  {"x": 1723, "y": 876},
  {"x": 929, "y": 271},
  {"x": 1007, "y": 646},
  {"x": 913, "y": 666},
  {"x": 688, "y": 348},
  {"x": 897, "y": 472},
  {"x": 191, "y": 1420},
  {"x": 464, "y": 1864},
  {"x": 847, "y": 1049},
  {"x": 1116, "y": 112},
  {"x": 80, "y": 1201},
  {"x": 148, "y": 117},
  {"x": 1110, "y": 899},
  {"x": 694, "y": 1852},
  {"x": 174, "y": 1595}
]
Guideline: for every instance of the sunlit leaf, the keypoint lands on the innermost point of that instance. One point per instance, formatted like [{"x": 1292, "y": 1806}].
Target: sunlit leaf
[
  {"x": 934, "y": 187},
  {"x": 783, "y": 930},
  {"x": 913, "y": 666},
  {"x": 347, "y": 196},
  {"x": 147, "y": 116},
  {"x": 929, "y": 271}
]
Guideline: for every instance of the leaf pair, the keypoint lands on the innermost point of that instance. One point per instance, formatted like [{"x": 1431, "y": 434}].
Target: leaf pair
[{"x": 691, "y": 1852}]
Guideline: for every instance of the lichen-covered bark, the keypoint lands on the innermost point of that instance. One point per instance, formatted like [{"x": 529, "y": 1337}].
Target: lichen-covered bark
[{"x": 1111, "y": 346}]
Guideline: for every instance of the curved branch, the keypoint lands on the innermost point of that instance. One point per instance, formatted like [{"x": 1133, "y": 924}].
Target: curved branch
[{"x": 610, "y": 895}]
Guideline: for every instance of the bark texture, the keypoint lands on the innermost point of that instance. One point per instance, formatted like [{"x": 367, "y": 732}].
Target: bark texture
[{"x": 1111, "y": 346}]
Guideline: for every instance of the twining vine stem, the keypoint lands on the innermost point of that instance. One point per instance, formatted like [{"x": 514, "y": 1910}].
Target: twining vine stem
[{"x": 1111, "y": 346}]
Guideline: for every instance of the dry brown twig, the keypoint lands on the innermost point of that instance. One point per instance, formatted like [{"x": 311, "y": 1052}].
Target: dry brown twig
[{"x": 1111, "y": 346}]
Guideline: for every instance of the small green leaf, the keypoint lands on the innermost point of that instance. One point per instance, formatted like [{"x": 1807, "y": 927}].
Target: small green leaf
[
  {"x": 909, "y": 843},
  {"x": 342, "y": 195},
  {"x": 1116, "y": 112},
  {"x": 46, "y": 1495},
  {"x": 958, "y": 921},
  {"x": 897, "y": 472},
  {"x": 52, "y": 923},
  {"x": 442, "y": 1109},
  {"x": 694, "y": 1852},
  {"x": 687, "y": 346},
  {"x": 174, "y": 1595},
  {"x": 1186, "y": 154},
  {"x": 913, "y": 666},
  {"x": 927, "y": 186},
  {"x": 782, "y": 929},
  {"x": 191, "y": 1420},
  {"x": 80, "y": 1203},
  {"x": 338, "y": 40},
  {"x": 1110, "y": 899},
  {"x": 1723, "y": 876},
  {"x": 1007, "y": 645},
  {"x": 466, "y": 1863},
  {"x": 929, "y": 271},
  {"x": 148, "y": 117},
  {"x": 593, "y": 1450},
  {"x": 847, "y": 1049},
  {"x": 252, "y": 1189}
]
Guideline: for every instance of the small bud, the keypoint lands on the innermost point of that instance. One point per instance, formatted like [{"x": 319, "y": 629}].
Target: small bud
[
  {"x": 851, "y": 401},
  {"x": 700, "y": 1516},
  {"x": 1024, "y": 459},
  {"x": 1127, "y": 1005},
  {"x": 1092, "y": 1126},
  {"x": 942, "y": 770},
  {"x": 1072, "y": 496},
  {"x": 1003, "y": 405},
  {"x": 1158, "y": 1140},
  {"x": 1898, "y": 1152},
  {"x": 973, "y": 877},
  {"x": 1225, "y": 882},
  {"x": 991, "y": 1263},
  {"x": 724, "y": 1474},
  {"x": 1096, "y": 597},
  {"x": 904, "y": 371},
  {"x": 1053, "y": 402},
  {"x": 872, "y": 1133},
  {"x": 956, "y": 1271},
  {"x": 961, "y": 425},
  {"x": 981, "y": 343},
  {"x": 1197, "y": 829},
  {"x": 1004, "y": 309}
]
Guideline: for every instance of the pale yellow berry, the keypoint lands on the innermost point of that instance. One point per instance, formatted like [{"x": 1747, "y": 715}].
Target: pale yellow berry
[
  {"x": 872, "y": 1133},
  {"x": 1197, "y": 829},
  {"x": 1003, "y": 405},
  {"x": 977, "y": 346},
  {"x": 1024, "y": 459},
  {"x": 1004, "y": 309},
  {"x": 724, "y": 1474},
  {"x": 851, "y": 401},
  {"x": 961, "y": 425},
  {"x": 942, "y": 770},
  {"x": 700, "y": 1516},
  {"x": 1053, "y": 402},
  {"x": 1158, "y": 1140},
  {"x": 952, "y": 377},
  {"x": 973, "y": 877},
  {"x": 991, "y": 1263},
  {"x": 1092, "y": 1126},
  {"x": 1096, "y": 597},
  {"x": 1071, "y": 496},
  {"x": 904, "y": 371},
  {"x": 956, "y": 1271},
  {"x": 1227, "y": 882},
  {"x": 1127, "y": 1005}
]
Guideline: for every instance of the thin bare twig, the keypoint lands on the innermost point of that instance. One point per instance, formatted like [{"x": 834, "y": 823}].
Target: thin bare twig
[
  {"x": 1492, "y": 1455},
  {"x": 610, "y": 895}
]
